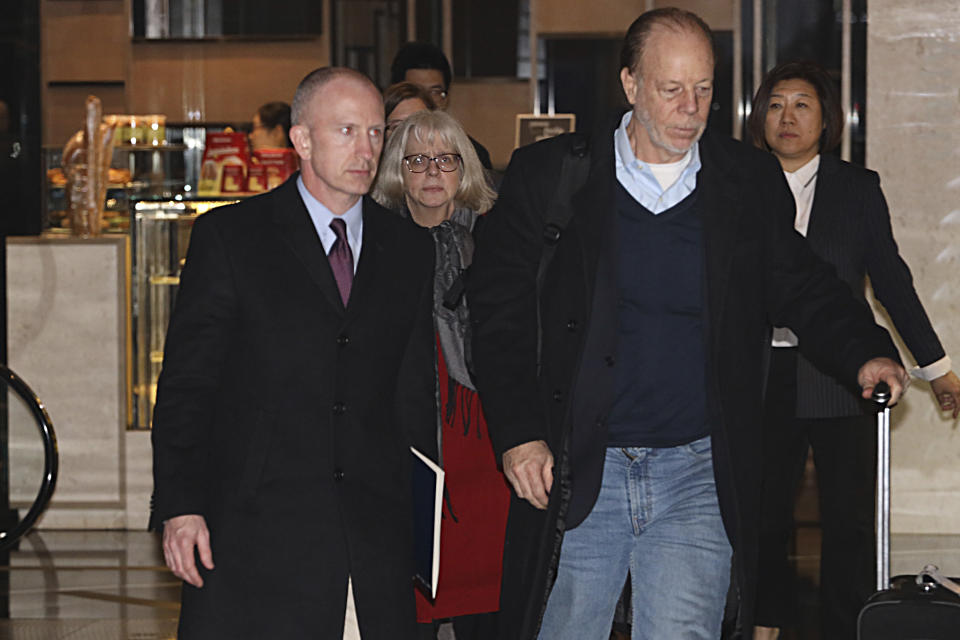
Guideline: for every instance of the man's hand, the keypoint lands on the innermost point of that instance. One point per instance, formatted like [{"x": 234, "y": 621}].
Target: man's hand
[
  {"x": 946, "y": 388},
  {"x": 180, "y": 535},
  {"x": 886, "y": 370},
  {"x": 529, "y": 468}
]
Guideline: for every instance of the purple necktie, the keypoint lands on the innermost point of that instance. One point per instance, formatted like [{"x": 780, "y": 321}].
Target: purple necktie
[{"x": 341, "y": 259}]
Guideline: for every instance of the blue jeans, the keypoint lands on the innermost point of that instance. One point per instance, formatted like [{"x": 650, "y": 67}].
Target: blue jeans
[{"x": 657, "y": 516}]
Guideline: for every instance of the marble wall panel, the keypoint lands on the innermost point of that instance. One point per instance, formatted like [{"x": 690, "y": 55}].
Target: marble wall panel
[
  {"x": 139, "y": 478},
  {"x": 913, "y": 141},
  {"x": 67, "y": 318}
]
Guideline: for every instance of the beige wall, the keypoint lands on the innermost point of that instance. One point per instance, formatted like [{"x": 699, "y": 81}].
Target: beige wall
[
  {"x": 488, "y": 111},
  {"x": 84, "y": 41},
  {"x": 218, "y": 81},
  {"x": 614, "y": 16},
  {"x": 913, "y": 133},
  {"x": 86, "y": 48}
]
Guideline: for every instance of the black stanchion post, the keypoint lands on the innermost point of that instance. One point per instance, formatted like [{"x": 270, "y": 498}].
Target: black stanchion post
[
  {"x": 21, "y": 204},
  {"x": 8, "y": 516}
]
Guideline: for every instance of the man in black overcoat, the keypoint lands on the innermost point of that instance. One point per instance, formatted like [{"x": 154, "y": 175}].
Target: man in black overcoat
[
  {"x": 631, "y": 433},
  {"x": 298, "y": 370}
]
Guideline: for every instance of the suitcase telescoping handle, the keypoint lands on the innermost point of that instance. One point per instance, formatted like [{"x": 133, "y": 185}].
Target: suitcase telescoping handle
[{"x": 881, "y": 395}]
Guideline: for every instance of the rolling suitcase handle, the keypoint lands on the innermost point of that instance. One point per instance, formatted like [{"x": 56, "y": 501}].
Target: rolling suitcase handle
[
  {"x": 926, "y": 605},
  {"x": 881, "y": 395},
  {"x": 931, "y": 571}
]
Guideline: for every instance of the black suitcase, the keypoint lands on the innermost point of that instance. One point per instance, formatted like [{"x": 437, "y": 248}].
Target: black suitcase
[{"x": 925, "y": 606}]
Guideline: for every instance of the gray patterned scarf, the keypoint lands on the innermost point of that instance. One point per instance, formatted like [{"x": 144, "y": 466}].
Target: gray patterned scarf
[{"x": 453, "y": 239}]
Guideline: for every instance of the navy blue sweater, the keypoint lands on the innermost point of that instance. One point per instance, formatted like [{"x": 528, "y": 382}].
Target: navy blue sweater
[{"x": 660, "y": 365}]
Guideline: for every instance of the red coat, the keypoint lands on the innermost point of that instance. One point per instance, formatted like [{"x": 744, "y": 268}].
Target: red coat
[{"x": 475, "y": 515}]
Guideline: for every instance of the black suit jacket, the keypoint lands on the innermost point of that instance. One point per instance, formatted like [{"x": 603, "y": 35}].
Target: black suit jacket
[
  {"x": 850, "y": 228},
  {"x": 758, "y": 272},
  {"x": 285, "y": 419}
]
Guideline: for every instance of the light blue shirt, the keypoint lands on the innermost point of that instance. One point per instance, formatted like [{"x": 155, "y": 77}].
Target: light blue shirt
[
  {"x": 322, "y": 217},
  {"x": 639, "y": 181}
]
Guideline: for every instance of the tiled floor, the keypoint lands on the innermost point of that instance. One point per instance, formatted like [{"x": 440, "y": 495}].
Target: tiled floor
[
  {"x": 909, "y": 554},
  {"x": 93, "y": 585},
  {"x": 87, "y": 585}
]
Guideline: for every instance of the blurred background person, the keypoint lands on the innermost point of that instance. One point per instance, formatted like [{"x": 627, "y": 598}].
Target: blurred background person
[
  {"x": 430, "y": 173},
  {"x": 425, "y": 64},
  {"x": 842, "y": 212},
  {"x": 273, "y": 157},
  {"x": 271, "y": 127},
  {"x": 403, "y": 99}
]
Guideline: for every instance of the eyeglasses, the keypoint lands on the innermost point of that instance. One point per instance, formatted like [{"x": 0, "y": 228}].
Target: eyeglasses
[
  {"x": 437, "y": 93},
  {"x": 446, "y": 162}
]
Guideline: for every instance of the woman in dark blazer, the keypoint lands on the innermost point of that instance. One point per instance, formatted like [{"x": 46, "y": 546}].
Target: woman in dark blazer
[{"x": 842, "y": 212}]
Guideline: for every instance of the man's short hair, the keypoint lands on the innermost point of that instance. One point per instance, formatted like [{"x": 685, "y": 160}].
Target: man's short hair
[
  {"x": 315, "y": 80},
  {"x": 275, "y": 114},
  {"x": 420, "y": 55},
  {"x": 635, "y": 42},
  {"x": 827, "y": 94}
]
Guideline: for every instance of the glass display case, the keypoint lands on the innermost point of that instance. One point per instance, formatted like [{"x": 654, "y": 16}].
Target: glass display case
[
  {"x": 160, "y": 236},
  {"x": 166, "y": 168},
  {"x": 136, "y": 171}
]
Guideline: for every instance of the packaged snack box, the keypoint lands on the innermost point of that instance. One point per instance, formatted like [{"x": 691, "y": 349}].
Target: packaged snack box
[
  {"x": 271, "y": 168},
  {"x": 256, "y": 178},
  {"x": 226, "y": 157}
]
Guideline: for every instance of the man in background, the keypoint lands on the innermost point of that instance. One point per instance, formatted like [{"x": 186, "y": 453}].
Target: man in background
[{"x": 426, "y": 66}]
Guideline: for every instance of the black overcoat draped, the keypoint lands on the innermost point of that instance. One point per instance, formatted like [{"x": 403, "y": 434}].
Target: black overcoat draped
[
  {"x": 285, "y": 420},
  {"x": 758, "y": 272}
]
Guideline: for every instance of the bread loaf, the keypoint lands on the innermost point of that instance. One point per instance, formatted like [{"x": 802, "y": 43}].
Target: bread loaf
[{"x": 93, "y": 116}]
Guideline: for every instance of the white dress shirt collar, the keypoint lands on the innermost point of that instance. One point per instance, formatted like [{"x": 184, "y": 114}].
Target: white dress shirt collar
[
  {"x": 803, "y": 185},
  {"x": 641, "y": 182}
]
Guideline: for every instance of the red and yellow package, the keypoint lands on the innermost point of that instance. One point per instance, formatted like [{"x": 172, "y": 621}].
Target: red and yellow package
[
  {"x": 271, "y": 168},
  {"x": 226, "y": 157}
]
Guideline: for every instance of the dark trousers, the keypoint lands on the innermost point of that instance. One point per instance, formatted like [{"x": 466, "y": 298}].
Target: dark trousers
[{"x": 844, "y": 453}]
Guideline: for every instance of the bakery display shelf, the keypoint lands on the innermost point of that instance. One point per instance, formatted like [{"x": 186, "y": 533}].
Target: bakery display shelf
[
  {"x": 160, "y": 146},
  {"x": 160, "y": 233},
  {"x": 53, "y": 186}
]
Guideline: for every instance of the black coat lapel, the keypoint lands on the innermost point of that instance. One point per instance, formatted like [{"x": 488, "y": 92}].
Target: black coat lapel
[
  {"x": 824, "y": 203},
  {"x": 593, "y": 205},
  {"x": 375, "y": 235},
  {"x": 717, "y": 189},
  {"x": 295, "y": 226}
]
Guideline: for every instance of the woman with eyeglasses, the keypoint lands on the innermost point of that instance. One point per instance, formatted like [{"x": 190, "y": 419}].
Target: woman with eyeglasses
[
  {"x": 430, "y": 173},
  {"x": 842, "y": 212}
]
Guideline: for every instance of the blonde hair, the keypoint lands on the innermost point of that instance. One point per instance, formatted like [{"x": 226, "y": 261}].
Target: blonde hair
[{"x": 427, "y": 126}]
